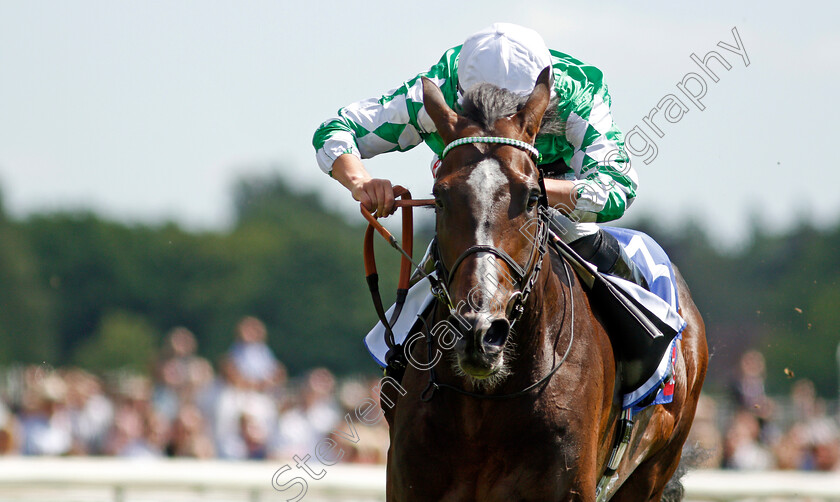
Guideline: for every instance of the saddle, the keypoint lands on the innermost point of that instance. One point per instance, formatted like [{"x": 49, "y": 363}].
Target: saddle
[{"x": 641, "y": 324}]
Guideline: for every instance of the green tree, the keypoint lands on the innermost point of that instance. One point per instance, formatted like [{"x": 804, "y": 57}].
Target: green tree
[
  {"x": 301, "y": 271},
  {"x": 27, "y": 330},
  {"x": 122, "y": 340}
]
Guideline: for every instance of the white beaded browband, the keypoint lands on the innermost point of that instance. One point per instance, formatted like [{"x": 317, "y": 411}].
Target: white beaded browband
[{"x": 494, "y": 139}]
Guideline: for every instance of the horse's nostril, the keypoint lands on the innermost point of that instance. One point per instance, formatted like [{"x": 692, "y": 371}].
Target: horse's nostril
[{"x": 497, "y": 333}]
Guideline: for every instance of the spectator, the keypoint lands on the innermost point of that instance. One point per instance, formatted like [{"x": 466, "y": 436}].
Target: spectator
[
  {"x": 91, "y": 412},
  {"x": 46, "y": 427},
  {"x": 155, "y": 437},
  {"x": 825, "y": 450},
  {"x": 189, "y": 436},
  {"x": 791, "y": 451},
  {"x": 803, "y": 398},
  {"x": 820, "y": 435},
  {"x": 133, "y": 404},
  {"x": 126, "y": 435},
  {"x": 254, "y": 437},
  {"x": 742, "y": 448},
  {"x": 250, "y": 364},
  {"x": 749, "y": 396},
  {"x": 8, "y": 424},
  {"x": 252, "y": 376},
  {"x": 314, "y": 415},
  {"x": 373, "y": 446},
  {"x": 181, "y": 375},
  {"x": 748, "y": 385}
]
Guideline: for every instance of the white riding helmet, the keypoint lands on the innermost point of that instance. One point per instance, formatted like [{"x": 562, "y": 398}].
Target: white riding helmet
[{"x": 504, "y": 54}]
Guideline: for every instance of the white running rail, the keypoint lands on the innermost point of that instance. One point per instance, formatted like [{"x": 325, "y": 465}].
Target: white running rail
[{"x": 120, "y": 480}]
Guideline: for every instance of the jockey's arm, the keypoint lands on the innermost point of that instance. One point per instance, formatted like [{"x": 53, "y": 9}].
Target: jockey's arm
[
  {"x": 393, "y": 122},
  {"x": 561, "y": 194},
  {"x": 376, "y": 194}
]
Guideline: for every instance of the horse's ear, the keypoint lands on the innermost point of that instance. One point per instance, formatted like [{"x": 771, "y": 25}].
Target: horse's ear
[
  {"x": 529, "y": 117},
  {"x": 444, "y": 118}
]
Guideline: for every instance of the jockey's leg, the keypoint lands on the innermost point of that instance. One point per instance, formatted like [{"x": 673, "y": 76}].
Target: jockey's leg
[
  {"x": 598, "y": 247},
  {"x": 603, "y": 250}
]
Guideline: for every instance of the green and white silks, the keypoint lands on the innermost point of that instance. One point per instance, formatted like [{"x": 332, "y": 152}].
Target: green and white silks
[{"x": 591, "y": 144}]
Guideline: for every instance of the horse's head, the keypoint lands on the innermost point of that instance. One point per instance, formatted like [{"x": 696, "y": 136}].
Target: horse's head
[{"x": 486, "y": 197}]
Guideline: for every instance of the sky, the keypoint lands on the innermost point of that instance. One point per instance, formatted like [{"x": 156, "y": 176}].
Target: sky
[{"x": 149, "y": 111}]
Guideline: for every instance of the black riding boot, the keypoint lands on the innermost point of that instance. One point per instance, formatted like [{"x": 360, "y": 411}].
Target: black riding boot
[{"x": 603, "y": 250}]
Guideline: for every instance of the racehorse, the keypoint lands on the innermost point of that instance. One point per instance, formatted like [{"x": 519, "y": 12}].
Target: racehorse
[{"x": 529, "y": 411}]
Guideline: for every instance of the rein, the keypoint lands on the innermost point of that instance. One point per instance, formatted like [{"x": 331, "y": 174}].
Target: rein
[{"x": 406, "y": 203}]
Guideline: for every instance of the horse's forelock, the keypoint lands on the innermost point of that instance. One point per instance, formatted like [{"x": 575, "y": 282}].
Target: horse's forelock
[{"x": 485, "y": 104}]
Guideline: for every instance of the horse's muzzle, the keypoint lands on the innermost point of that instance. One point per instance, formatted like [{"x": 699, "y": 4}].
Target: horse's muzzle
[{"x": 480, "y": 351}]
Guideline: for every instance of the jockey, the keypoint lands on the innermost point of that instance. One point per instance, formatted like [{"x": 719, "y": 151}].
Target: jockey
[{"x": 589, "y": 177}]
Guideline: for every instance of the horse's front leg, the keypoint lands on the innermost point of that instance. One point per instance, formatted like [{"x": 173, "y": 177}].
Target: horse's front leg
[{"x": 585, "y": 482}]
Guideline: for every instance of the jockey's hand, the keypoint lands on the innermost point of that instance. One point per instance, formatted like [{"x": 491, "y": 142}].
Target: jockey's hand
[{"x": 376, "y": 194}]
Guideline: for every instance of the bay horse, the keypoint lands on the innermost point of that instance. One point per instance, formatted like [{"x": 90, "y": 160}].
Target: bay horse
[{"x": 529, "y": 412}]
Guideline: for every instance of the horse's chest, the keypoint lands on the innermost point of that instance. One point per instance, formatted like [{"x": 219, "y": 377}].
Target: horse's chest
[{"x": 520, "y": 460}]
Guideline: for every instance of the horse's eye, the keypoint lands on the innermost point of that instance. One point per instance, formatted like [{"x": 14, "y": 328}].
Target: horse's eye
[
  {"x": 439, "y": 194},
  {"x": 533, "y": 199}
]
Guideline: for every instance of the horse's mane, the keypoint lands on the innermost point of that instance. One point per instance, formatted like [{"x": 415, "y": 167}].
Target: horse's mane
[{"x": 485, "y": 103}]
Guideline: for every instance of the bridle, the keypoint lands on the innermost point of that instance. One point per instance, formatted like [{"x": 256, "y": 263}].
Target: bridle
[
  {"x": 429, "y": 391},
  {"x": 440, "y": 281},
  {"x": 526, "y": 277}
]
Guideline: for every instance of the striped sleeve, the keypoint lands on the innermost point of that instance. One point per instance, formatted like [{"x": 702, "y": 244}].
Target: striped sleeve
[
  {"x": 396, "y": 121},
  {"x": 606, "y": 181}
]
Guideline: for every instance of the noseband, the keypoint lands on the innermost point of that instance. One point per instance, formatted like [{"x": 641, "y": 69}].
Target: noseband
[{"x": 525, "y": 277}]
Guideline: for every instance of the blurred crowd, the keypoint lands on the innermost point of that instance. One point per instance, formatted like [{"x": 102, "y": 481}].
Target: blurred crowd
[
  {"x": 748, "y": 430},
  {"x": 246, "y": 408}
]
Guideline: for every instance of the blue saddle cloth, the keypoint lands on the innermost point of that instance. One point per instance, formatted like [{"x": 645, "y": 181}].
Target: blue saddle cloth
[
  {"x": 651, "y": 260},
  {"x": 662, "y": 300}
]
